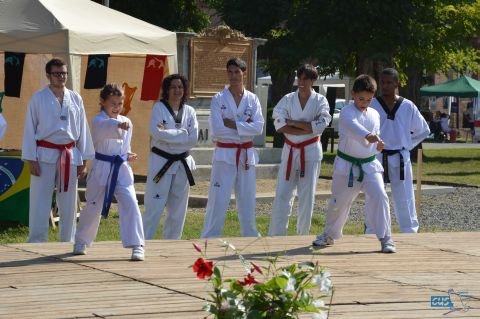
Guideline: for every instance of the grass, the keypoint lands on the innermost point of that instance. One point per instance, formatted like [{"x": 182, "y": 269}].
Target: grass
[
  {"x": 109, "y": 228},
  {"x": 446, "y": 166},
  {"x": 459, "y": 166}
]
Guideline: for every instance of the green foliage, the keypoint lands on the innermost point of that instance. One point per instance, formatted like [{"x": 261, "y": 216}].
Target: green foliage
[
  {"x": 174, "y": 15},
  {"x": 355, "y": 37},
  {"x": 270, "y": 291}
]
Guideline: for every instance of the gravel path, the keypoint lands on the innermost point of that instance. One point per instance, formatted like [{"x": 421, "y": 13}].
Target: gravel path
[{"x": 455, "y": 211}]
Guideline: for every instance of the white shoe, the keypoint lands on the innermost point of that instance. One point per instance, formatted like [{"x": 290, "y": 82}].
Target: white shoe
[
  {"x": 138, "y": 253},
  {"x": 323, "y": 240},
  {"x": 388, "y": 246},
  {"x": 79, "y": 249}
]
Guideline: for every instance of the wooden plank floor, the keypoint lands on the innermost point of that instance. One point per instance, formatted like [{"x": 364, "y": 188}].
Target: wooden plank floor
[{"x": 46, "y": 281}]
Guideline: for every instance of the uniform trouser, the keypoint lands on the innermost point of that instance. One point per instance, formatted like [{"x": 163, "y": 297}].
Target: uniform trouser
[
  {"x": 171, "y": 192},
  {"x": 130, "y": 218},
  {"x": 285, "y": 195},
  {"x": 224, "y": 178},
  {"x": 403, "y": 198},
  {"x": 40, "y": 205},
  {"x": 377, "y": 210}
]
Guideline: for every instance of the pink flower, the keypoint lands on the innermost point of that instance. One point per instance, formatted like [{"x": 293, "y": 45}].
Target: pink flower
[
  {"x": 202, "y": 268},
  {"x": 197, "y": 248}
]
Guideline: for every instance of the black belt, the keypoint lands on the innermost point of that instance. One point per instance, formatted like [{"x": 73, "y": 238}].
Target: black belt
[
  {"x": 385, "y": 155},
  {"x": 171, "y": 158}
]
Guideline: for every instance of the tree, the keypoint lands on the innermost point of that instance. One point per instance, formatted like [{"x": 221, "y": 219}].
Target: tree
[
  {"x": 444, "y": 43},
  {"x": 174, "y": 15},
  {"x": 353, "y": 37}
]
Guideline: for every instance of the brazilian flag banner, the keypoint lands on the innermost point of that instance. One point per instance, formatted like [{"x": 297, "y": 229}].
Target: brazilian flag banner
[{"x": 14, "y": 188}]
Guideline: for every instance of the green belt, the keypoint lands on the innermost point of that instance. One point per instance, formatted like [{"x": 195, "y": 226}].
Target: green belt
[{"x": 355, "y": 161}]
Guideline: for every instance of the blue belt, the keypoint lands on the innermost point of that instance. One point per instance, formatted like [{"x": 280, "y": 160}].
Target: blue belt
[{"x": 115, "y": 162}]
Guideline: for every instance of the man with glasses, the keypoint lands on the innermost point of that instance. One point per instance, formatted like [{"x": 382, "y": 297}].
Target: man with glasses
[{"x": 56, "y": 145}]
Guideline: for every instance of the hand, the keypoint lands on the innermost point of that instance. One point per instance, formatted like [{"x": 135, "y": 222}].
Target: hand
[
  {"x": 230, "y": 123},
  {"x": 373, "y": 138},
  {"x": 34, "y": 168},
  {"x": 82, "y": 170},
  {"x": 132, "y": 157},
  {"x": 124, "y": 126},
  {"x": 161, "y": 126},
  {"x": 380, "y": 145}
]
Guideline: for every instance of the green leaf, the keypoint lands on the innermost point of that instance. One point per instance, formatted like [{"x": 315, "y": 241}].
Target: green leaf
[
  {"x": 217, "y": 273},
  {"x": 281, "y": 282},
  {"x": 311, "y": 308}
]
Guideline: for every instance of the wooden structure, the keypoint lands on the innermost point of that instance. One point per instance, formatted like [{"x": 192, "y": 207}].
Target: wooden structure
[{"x": 46, "y": 281}]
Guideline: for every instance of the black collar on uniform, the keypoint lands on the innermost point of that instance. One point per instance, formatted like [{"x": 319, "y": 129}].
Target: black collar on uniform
[
  {"x": 178, "y": 117},
  {"x": 390, "y": 113}
]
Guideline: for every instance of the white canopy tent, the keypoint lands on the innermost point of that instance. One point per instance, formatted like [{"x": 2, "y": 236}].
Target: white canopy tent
[
  {"x": 72, "y": 30},
  {"x": 79, "y": 27}
]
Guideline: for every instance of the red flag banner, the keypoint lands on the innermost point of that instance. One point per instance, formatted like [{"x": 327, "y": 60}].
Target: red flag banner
[{"x": 156, "y": 67}]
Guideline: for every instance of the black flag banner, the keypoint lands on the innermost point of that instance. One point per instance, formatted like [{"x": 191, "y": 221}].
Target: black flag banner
[
  {"x": 1, "y": 100},
  {"x": 96, "y": 76},
  {"x": 13, "y": 67}
]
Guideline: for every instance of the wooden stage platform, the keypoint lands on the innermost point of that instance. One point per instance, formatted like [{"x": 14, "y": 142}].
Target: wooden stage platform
[{"x": 46, "y": 281}]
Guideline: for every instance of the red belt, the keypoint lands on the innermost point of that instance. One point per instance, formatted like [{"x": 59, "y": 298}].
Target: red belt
[
  {"x": 66, "y": 166},
  {"x": 301, "y": 146},
  {"x": 239, "y": 148}
]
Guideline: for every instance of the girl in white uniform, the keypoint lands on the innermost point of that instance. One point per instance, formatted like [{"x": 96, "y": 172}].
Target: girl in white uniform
[
  {"x": 235, "y": 119},
  {"x": 173, "y": 132},
  {"x": 111, "y": 175},
  {"x": 301, "y": 116},
  {"x": 356, "y": 169}
]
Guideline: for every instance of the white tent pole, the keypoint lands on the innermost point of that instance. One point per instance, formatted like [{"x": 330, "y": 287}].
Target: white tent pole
[{"x": 74, "y": 70}]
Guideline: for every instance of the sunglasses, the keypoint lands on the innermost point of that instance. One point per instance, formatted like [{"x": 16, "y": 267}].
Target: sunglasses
[{"x": 58, "y": 74}]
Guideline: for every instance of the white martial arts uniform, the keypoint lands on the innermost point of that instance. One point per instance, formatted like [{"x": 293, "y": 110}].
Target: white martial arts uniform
[
  {"x": 173, "y": 188},
  {"x": 289, "y": 108},
  {"x": 353, "y": 126},
  {"x": 403, "y": 133},
  {"x": 110, "y": 140},
  {"x": 226, "y": 172},
  {"x": 47, "y": 120},
  {"x": 3, "y": 126}
]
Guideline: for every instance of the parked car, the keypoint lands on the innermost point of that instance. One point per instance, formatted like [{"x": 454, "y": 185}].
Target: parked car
[{"x": 339, "y": 104}]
